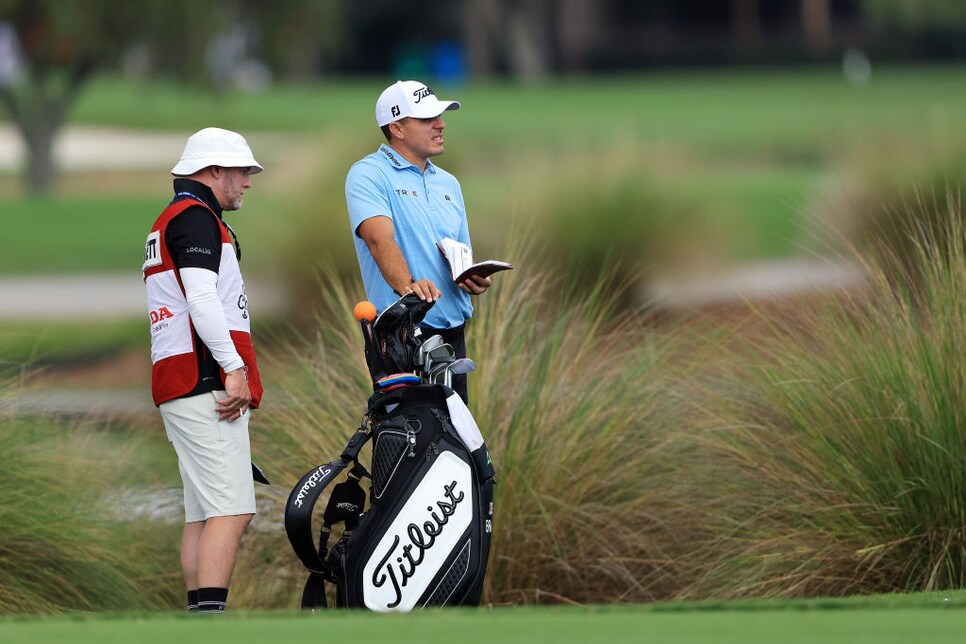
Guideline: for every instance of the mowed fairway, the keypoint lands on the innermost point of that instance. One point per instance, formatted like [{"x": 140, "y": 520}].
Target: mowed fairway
[{"x": 913, "y": 618}]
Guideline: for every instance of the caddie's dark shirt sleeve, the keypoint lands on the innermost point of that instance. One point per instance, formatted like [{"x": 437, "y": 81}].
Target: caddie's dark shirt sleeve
[{"x": 194, "y": 239}]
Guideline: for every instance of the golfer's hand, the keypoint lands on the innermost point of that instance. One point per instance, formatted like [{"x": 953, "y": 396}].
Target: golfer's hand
[
  {"x": 238, "y": 396},
  {"x": 425, "y": 289},
  {"x": 475, "y": 285}
]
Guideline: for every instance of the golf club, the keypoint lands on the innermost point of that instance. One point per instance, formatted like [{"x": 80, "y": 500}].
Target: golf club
[{"x": 428, "y": 345}]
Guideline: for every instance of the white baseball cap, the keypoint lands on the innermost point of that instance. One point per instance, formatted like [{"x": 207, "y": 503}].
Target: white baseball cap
[
  {"x": 215, "y": 146},
  {"x": 410, "y": 98}
]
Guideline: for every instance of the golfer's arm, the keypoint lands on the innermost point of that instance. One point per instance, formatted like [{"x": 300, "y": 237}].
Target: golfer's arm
[{"x": 380, "y": 238}]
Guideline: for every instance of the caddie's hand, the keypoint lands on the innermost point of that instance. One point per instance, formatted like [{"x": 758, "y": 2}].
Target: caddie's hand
[
  {"x": 238, "y": 397},
  {"x": 475, "y": 284},
  {"x": 425, "y": 289}
]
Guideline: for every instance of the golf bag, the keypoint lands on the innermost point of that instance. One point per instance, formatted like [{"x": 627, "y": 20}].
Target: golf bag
[{"x": 424, "y": 538}]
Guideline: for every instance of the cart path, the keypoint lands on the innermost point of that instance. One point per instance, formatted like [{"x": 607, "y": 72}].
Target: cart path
[
  {"x": 757, "y": 281},
  {"x": 94, "y": 296},
  {"x": 111, "y": 296}
]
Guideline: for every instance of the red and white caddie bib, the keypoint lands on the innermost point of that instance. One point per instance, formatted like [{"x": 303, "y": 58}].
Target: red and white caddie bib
[{"x": 174, "y": 371}]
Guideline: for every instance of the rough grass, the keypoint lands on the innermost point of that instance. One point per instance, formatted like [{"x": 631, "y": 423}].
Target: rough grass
[
  {"x": 62, "y": 545},
  {"x": 886, "y": 186},
  {"x": 835, "y": 466}
]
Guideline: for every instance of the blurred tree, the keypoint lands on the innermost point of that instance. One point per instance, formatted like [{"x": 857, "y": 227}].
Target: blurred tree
[
  {"x": 483, "y": 35},
  {"x": 299, "y": 38},
  {"x": 529, "y": 30},
  {"x": 516, "y": 33},
  {"x": 817, "y": 23},
  {"x": 63, "y": 43},
  {"x": 746, "y": 23}
]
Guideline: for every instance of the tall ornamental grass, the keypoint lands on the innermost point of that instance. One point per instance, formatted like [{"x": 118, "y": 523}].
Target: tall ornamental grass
[
  {"x": 837, "y": 463},
  {"x": 62, "y": 545},
  {"x": 884, "y": 186},
  {"x": 579, "y": 405},
  {"x": 576, "y": 407}
]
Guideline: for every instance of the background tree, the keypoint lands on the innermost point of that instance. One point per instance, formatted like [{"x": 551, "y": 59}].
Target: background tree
[
  {"x": 62, "y": 44},
  {"x": 516, "y": 35},
  {"x": 59, "y": 50}
]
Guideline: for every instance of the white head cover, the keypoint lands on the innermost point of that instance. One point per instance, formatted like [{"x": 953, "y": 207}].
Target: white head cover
[
  {"x": 215, "y": 146},
  {"x": 408, "y": 98}
]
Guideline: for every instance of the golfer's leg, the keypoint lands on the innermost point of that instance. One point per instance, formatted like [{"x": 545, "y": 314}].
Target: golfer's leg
[{"x": 218, "y": 549}]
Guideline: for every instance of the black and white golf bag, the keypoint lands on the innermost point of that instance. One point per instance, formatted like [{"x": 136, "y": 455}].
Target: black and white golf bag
[{"x": 424, "y": 538}]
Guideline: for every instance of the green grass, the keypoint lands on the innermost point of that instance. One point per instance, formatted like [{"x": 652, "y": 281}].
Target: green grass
[
  {"x": 103, "y": 232},
  {"x": 758, "y": 109},
  {"x": 72, "y": 234},
  {"x": 36, "y": 343},
  {"x": 770, "y": 200},
  {"x": 899, "y": 619}
]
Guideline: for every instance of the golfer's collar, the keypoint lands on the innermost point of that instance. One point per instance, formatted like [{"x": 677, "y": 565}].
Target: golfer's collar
[
  {"x": 394, "y": 159},
  {"x": 398, "y": 162}
]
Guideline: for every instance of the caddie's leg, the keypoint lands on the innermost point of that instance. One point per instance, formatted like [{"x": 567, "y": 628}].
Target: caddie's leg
[
  {"x": 218, "y": 549},
  {"x": 189, "y": 553},
  {"x": 189, "y": 561},
  {"x": 215, "y": 462}
]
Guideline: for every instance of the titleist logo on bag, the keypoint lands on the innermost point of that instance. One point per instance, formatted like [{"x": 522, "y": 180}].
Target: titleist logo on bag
[{"x": 423, "y": 534}]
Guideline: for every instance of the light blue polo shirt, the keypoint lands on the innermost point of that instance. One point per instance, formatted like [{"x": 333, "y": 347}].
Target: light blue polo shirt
[{"x": 424, "y": 207}]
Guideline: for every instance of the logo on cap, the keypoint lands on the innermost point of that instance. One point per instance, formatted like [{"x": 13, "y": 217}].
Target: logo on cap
[
  {"x": 395, "y": 110},
  {"x": 422, "y": 93}
]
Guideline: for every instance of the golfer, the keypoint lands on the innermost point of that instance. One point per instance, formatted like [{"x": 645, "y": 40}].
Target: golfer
[
  {"x": 204, "y": 377},
  {"x": 401, "y": 204}
]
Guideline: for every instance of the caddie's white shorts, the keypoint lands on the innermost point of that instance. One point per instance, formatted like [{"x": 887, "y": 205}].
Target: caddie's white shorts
[{"x": 214, "y": 457}]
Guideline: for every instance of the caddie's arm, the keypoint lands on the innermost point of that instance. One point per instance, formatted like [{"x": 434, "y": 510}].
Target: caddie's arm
[
  {"x": 208, "y": 318},
  {"x": 380, "y": 237}
]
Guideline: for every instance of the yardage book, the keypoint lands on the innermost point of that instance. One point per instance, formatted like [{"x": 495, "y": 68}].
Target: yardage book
[{"x": 459, "y": 256}]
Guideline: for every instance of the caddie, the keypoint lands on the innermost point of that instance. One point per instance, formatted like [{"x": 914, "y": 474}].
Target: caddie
[{"x": 204, "y": 376}]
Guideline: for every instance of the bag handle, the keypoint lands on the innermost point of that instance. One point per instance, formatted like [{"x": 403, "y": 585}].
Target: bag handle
[{"x": 298, "y": 513}]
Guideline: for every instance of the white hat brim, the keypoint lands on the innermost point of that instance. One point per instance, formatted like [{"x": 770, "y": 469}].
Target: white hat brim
[
  {"x": 187, "y": 167},
  {"x": 433, "y": 109}
]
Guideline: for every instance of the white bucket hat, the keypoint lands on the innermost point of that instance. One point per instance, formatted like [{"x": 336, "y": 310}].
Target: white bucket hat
[
  {"x": 410, "y": 98},
  {"x": 215, "y": 146}
]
